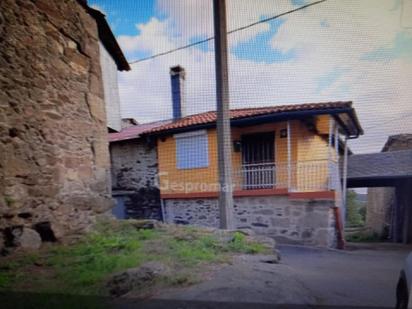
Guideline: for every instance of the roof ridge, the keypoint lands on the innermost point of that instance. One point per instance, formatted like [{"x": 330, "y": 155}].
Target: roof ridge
[{"x": 273, "y": 106}]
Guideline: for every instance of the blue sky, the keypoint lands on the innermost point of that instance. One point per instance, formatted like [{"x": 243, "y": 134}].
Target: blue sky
[
  {"x": 258, "y": 48},
  {"x": 338, "y": 50},
  {"x": 123, "y": 15}
]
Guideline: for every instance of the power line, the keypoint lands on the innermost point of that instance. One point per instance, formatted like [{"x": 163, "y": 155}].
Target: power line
[{"x": 229, "y": 32}]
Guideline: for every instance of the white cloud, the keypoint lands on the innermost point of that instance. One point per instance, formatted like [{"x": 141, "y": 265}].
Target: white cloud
[
  {"x": 332, "y": 34},
  {"x": 153, "y": 37}
]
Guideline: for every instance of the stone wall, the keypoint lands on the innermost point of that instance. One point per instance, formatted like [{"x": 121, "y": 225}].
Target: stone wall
[
  {"x": 384, "y": 215},
  {"x": 306, "y": 222},
  {"x": 54, "y": 162},
  {"x": 379, "y": 207},
  {"x": 199, "y": 212},
  {"x": 134, "y": 171}
]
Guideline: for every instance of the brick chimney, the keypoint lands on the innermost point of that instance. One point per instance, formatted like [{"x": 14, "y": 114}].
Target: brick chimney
[{"x": 177, "y": 79}]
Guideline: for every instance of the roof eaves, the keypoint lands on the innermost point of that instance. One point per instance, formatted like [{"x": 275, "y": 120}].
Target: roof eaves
[
  {"x": 107, "y": 37},
  {"x": 256, "y": 119},
  {"x": 355, "y": 120},
  {"x": 193, "y": 127},
  {"x": 125, "y": 139}
]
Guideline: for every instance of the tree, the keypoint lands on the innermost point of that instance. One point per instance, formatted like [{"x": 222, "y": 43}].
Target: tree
[{"x": 353, "y": 209}]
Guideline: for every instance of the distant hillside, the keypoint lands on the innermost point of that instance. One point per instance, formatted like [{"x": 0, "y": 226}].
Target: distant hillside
[{"x": 361, "y": 197}]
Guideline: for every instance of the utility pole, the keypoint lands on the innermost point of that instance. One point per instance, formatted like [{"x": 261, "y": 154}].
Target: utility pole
[{"x": 224, "y": 147}]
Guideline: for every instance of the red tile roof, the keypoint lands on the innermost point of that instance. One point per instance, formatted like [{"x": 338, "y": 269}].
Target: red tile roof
[
  {"x": 210, "y": 117},
  {"x": 135, "y": 131}
]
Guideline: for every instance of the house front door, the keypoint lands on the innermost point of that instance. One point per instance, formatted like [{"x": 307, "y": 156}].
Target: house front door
[{"x": 258, "y": 161}]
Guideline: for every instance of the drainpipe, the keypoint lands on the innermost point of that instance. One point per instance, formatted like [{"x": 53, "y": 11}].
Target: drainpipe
[
  {"x": 162, "y": 207},
  {"x": 336, "y": 210},
  {"x": 339, "y": 228},
  {"x": 289, "y": 157}
]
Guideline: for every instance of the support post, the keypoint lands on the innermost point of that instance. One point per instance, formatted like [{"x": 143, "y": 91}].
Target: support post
[
  {"x": 329, "y": 153},
  {"x": 336, "y": 163},
  {"x": 337, "y": 141},
  {"x": 345, "y": 177},
  {"x": 223, "y": 117},
  {"x": 289, "y": 146}
]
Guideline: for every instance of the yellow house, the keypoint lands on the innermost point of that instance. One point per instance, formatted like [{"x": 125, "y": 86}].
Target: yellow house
[{"x": 285, "y": 162}]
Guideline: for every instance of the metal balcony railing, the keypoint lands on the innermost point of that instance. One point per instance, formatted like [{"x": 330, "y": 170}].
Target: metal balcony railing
[
  {"x": 301, "y": 176},
  {"x": 305, "y": 176},
  {"x": 257, "y": 176}
]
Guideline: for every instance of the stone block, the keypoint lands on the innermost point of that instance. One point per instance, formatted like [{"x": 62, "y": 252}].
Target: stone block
[
  {"x": 280, "y": 222},
  {"x": 79, "y": 63},
  {"x": 133, "y": 278},
  {"x": 26, "y": 238},
  {"x": 96, "y": 107},
  {"x": 324, "y": 237},
  {"x": 266, "y": 212},
  {"x": 101, "y": 156},
  {"x": 96, "y": 85}
]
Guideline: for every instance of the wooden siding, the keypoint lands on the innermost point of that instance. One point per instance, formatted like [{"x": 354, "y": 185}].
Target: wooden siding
[
  {"x": 307, "y": 148},
  {"x": 173, "y": 180}
]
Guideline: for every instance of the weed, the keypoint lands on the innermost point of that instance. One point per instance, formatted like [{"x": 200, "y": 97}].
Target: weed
[
  {"x": 192, "y": 252},
  {"x": 6, "y": 280},
  {"x": 241, "y": 245},
  {"x": 83, "y": 268},
  {"x": 9, "y": 201}
]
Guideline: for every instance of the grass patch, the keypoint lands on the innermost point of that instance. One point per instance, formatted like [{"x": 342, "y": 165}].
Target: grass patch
[
  {"x": 363, "y": 237},
  {"x": 107, "y": 250},
  {"x": 82, "y": 268},
  {"x": 241, "y": 245},
  {"x": 11, "y": 269}
]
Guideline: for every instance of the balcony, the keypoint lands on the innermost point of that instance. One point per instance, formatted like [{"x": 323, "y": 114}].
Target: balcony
[
  {"x": 305, "y": 176},
  {"x": 258, "y": 179}
]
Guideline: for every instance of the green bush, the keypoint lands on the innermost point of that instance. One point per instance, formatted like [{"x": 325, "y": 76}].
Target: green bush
[
  {"x": 363, "y": 237},
  {"x": 355, "y": 211}
]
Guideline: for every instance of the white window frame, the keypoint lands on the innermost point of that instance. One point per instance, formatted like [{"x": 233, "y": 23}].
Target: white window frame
[{"x": 192, "y": 157}]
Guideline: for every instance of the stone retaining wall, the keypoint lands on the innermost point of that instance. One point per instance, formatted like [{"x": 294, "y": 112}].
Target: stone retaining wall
[
  {"x": 308, "y": 222},
  {"x": 54, "y": 162}
]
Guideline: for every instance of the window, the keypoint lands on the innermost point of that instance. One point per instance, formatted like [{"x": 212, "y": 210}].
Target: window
[{"x": 192, "y": 150}]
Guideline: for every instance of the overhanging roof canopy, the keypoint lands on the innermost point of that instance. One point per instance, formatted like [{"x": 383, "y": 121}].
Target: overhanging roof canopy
[
  {"x": 343, "y": 112},
  {"x": 107, "y": 38},
  {"x": 379, "y": 168}
]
